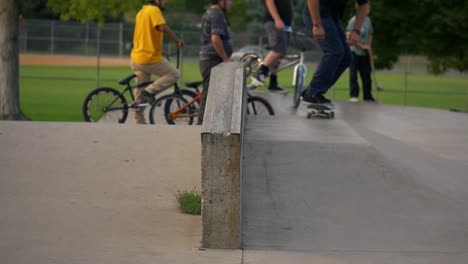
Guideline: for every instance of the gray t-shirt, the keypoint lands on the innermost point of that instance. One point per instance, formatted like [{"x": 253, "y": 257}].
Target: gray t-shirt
[
  {"x": 214, "y": 23},
  {"x": 366, "y": 31}
]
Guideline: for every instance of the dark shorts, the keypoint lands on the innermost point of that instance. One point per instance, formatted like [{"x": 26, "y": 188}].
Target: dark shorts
[{"x": 277, "y": 39}]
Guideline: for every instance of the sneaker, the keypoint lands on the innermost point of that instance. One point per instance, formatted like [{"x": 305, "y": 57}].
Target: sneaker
[
  {"x": 372, "y": 100},
  {"x": 258, "y": 78},
  {"x": 317, "y": 99},
  {"x": 277, "y": 89},
  {"x": 146, "y": 97},
  {"x": 323, "y": 99},
  {"x": 354, "y": 99}
]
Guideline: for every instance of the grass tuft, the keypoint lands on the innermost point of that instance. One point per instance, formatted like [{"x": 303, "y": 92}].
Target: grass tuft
[{"x": 189, "y": 201}]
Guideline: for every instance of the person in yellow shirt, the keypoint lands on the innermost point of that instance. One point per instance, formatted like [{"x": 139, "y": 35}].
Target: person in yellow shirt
[{"x": 147, "y": 54}]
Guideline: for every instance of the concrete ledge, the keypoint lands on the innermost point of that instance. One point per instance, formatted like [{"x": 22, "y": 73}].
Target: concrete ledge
[{"x": 221, "y": 157}]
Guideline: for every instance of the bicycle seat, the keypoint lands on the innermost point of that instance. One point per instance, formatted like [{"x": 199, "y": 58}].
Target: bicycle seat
[
  {"x": 127, "y": 80},
  {"x": 194, "y": 84}
]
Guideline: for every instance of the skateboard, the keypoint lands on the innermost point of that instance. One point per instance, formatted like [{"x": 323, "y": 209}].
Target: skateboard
[{"x": 320, "y": 110}]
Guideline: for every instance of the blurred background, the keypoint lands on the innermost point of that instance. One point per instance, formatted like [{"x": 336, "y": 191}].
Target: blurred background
[{"x": 420, "y": 46}]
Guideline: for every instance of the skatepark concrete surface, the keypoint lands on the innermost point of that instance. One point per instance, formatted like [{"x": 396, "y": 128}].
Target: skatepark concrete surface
[{"x": 377, "y": 184}]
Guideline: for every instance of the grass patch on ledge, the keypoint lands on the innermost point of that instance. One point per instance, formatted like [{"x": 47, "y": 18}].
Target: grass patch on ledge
[{"x": 189, "y": 201}]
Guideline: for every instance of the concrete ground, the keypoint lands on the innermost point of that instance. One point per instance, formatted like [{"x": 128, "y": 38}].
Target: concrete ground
[
  {"x": 379, "y": 184},
  {"x": 99, "y": 193}
]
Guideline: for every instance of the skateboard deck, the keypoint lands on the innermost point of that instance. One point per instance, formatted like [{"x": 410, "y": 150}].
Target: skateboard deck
[{"x": 320, "y": 110}]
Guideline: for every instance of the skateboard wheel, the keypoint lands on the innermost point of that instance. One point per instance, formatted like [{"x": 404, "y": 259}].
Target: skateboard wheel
[
  {"x": 309, "y": 115},
  {"x": 332, "y": 114}
]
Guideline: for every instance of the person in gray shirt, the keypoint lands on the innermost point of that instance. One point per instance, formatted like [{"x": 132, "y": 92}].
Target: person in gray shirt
[
  {"x": 360, "y": 61},
  {"x": 216, "y": 45}
]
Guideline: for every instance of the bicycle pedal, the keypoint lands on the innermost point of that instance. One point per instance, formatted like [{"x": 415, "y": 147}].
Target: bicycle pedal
[{"x": 141, "y": 106}]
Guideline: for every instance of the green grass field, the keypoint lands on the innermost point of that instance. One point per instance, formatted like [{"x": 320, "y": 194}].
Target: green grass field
[{"x": 57, "y": 93}]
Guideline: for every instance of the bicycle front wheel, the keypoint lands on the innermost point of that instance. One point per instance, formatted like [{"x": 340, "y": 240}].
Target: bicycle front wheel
[
  {"x": 298, "y": 85},
  {"x": 172, "y": 109},
  {"x": 259, "y": 106},
  {"x": 105, "y": 105}
]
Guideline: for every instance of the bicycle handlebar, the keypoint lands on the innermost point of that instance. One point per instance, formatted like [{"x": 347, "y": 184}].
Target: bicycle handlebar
[
  {"x": 302, "y": 34},
  {"x": 168, "y": 57}
]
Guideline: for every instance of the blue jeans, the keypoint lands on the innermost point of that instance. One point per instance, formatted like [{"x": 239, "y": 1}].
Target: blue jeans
[{"x": 336, "y": 55}]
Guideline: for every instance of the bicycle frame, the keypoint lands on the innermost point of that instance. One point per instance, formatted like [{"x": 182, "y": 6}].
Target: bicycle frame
[
  {"x": 296, "y": 60},
  {"x": 177, "y": 114}
]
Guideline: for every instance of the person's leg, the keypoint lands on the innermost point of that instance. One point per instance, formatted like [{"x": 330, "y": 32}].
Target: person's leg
[
  {"x": 273, "y": 85},
  {"x": 168, "y": 75},
  {"x": 353, "y": 81},
  {"x": 205, "y": 70},
  {"x": 365, "y": 71},
  {"x": 271, "y": 59},
  {"x": 142, "y": 77},
  {"x": 332, "y": 61},
  {"x": 346, "y": 59},
  {"x": 278, "y": 41}
]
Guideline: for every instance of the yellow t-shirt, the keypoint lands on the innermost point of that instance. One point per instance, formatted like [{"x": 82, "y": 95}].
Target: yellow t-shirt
[{"x": 147, "y": 40}]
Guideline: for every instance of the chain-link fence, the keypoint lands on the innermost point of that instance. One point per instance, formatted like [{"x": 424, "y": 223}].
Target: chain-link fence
[
  {"x": 57, "y": 37},
  {"x": 109, "y": 39}
]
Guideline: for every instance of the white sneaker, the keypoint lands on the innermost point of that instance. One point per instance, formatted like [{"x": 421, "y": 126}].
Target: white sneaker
[
  {"x": 258, "y": 78},
  {"x": 354, "y": 99}
]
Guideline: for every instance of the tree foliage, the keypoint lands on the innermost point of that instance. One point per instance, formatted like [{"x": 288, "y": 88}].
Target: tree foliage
[
  {"x": 35, "y": 9},
  {"x": 433, "y": 28},
  {"x": 88, "y": 10},
  {"x": 445, "y": 34},
  {"x": 237, "y": 15}
]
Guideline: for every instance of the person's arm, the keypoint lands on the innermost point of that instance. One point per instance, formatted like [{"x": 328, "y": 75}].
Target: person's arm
[
  {"x": 349, "y": 27},
  {"x": 271, "y": 7},
  {"x": 314, "y": 11},
  {"x": 168, "y": 32},
  {"x": 362, "y": 12},
  {"x": 219, "y": 47},
  {"x": 368, "y": 45},
  {"x": 371, "y": 31}
]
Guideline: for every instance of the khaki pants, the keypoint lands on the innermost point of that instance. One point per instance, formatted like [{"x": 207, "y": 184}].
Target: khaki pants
[{"x": 167, "y": 73}]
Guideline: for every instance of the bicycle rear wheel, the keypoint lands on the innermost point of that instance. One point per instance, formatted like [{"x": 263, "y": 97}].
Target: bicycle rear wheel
[
  {"x": 105, "y": 105},
  {"x": 171, "y": 109},
  {"x": 259, "y": 106},
  {"x": 298, "y": 86}
]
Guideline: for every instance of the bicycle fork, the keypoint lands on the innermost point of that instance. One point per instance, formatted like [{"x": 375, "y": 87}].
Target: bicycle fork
[{"x": 296, "y": 69}]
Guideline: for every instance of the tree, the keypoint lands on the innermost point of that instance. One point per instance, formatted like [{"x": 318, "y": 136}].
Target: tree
[
  {"x": 435, "y": 29},
  {"x": 446, "y": 38},
  {"x": 36, "y": 9},
  {"x": 236, "y": 15},
  {"x": 9, "y": 62}
]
